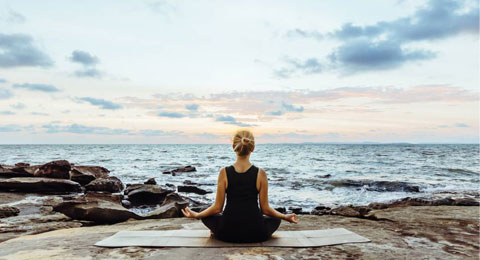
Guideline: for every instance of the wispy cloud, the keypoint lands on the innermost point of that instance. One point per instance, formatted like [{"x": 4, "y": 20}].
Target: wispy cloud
[
  {"x": 162, "y": 7},
  {"x": 88, "y": 73},
  {"x": 36, "y": 87},
  {"x": 192, "y": 107},
  {"x": 83, "y": 129},
  {"x": 3, "y": 80},
  {"x": 10, "y": 128},
  {"x": 39, "y": 114},
  {"x": 231, "y": 120},
  {"x": 5, "y": 93},
  {"x": 295, "y": 33},
  {"x": 170, "y": 114},
  {"x": 295, "y": 66},
  {"x": 101, "y": 103},
  {"x": 18, "y": 106},
  {"x": 18, "y": 50},
  {"x": 7, "y": 112},
  {"x": 155, "y": 132},
  {"x": 15, "y": 17}
]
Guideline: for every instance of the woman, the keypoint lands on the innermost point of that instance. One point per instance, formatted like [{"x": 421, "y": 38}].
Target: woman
[{"x": 245, "y": 185}]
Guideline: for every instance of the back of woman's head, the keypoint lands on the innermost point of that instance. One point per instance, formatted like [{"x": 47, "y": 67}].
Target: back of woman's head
[{"x": 243, "y": 142}]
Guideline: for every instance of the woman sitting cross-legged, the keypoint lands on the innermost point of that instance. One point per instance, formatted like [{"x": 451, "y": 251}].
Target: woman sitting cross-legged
[{"x": 245, "y": 185}]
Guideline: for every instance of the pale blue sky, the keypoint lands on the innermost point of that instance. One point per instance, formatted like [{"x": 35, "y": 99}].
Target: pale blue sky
[{"x": 194, "y": 71}]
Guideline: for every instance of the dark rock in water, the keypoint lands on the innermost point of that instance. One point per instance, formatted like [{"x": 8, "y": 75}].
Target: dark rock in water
[
  {"x": 85, "y": 174},
  {"x": 187, "y": 168},
  {"x": 98, "y": 211},
  {"x": 377, "y": 185},
  {"x": 170, "y": 185},
  {"x": 281, "y": 210},
  {"x": 320, "y": 210},
  {"x": 189, "y": 182},
  {"x": 192, "y": 189},
  {"x": 33, "y": 184},
  {"x": 22, "y": 164},
  {"x": 110, "y": 184},
  {"x": 408, "y": 201},
  {"x": 378, "y": 205},
  {"x": 151, "y": 181},
  {"x": 130, "y": 187},
  {"x": 325, "y": 176},
  {"x": 297, "y": 210},
  {"x": 127, "y": 204},
  {"x": 7, "y": 211},
  {"x": 146, "y": 194},
  {"x": 55, "y": 169}
]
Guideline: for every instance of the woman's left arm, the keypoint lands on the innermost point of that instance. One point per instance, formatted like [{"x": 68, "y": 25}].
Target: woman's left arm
[{"x": 217, "y": 207}]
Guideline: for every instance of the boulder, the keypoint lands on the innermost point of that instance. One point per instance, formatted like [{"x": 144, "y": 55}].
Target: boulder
[
  {"x": 86, "y": 174},
  {"x": 170, "y": 209},
  {"x": 96, "y": 210},
  {"x": 281, "y": 210},
  {"x": 151, "y": 181},
  {"x": 55, "y": 169},
  {"x": 321, "y": 210},
  {"x": 110, "y": 184},
  {"x": 7, "y": 171},
  {"x": 351, "y": 211},
  {"x": 7, "y": 211},
  {"x": 466, "y": 202},
  {"x": 192, "y": 189},
  {"x": 141, "y": 194},
  {"x": 33, "y": 184},
  {"x": 112, "y": 197},
  {"x": 296, "y": 210}
]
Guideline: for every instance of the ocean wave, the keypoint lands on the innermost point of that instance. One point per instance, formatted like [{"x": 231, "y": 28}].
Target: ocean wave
[{"x": 462, "y": 171}]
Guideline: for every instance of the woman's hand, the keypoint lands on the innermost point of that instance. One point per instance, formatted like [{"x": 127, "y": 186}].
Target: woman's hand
[
  {"x": 189, "y": 213},
  {"x": 292, "y": 218}
]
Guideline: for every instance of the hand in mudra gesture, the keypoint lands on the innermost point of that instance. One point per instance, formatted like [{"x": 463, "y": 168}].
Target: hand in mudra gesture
[
  {"x": 292, "y": 218},
  {"x": 187, "y": 212}
]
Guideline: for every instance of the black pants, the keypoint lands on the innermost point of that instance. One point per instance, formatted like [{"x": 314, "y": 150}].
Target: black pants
[{"x": 271, "y": 225}]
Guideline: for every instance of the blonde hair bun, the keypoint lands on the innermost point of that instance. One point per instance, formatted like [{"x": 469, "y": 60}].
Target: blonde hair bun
[{"x": 243, "y": 142}]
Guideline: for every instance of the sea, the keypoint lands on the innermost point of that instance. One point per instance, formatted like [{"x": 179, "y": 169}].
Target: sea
[{"x": 300, "y": 175}]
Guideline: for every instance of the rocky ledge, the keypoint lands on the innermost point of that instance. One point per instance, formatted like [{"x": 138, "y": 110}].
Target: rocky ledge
[{"x": 423, "y": 232}]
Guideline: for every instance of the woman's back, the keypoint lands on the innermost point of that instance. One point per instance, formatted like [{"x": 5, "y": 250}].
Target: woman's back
[{"x": 242, "y": 218}]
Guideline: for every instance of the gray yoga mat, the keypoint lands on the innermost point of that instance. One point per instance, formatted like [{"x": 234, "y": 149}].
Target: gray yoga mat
[{"x": 201, "y": 238}]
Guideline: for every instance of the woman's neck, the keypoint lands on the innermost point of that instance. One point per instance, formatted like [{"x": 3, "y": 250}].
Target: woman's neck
[{"x": 243, "y": 160}]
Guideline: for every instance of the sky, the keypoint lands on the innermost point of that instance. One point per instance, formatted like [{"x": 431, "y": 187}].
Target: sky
[{"x": 124, "y": 71}]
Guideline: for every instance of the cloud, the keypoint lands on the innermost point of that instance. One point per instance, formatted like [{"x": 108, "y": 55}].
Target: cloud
[
  {"x": 102, "y": 103},
  {"x": 18, "y": 106},
  {"x": 18, "y": 50},
  {"x": 295, "y": 33},
  {"x": 438, "y": 19},
  {"x": 15, "y": 17},
  {"x": 231, "y": 120},
  {"x": 5, "y": 93},
  {"x": 276, "y": 113},
  {"x": 161, "y": 7},
  {"x": 10, "y": 128},
  {"x": 36, "y": 87},
  {"x": 291, "y": 108},
  {"x": 462, "y": 125},
  {"x": 88, "y": 73},
  {"x": 309, "y": 66},
  {"x": 82, "y": 129},
  {"x": 3, "y": 80},
  {"x": 383, "y": 45},
  {"x": 39, "y": 114},
  {"x": 155, "y": 132},
  {"x": 362, "y": 55},
  {"x": 192, "y": 107},
  {"x": 84, "y": 58},
  {"x": 170, "y": 114},
  {"x": 6, "y": 112}
]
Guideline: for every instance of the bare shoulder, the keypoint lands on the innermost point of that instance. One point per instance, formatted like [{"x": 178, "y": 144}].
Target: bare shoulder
[
  {"x": 262, "y": 174},
  {"x": 222, "y": 173}
]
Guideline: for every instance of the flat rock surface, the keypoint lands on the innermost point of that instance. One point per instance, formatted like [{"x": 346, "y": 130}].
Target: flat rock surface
[{"x": 423, "y": 232}]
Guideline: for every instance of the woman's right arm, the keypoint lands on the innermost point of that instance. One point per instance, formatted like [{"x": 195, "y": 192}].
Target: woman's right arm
[{"x": 262, "y": 184}]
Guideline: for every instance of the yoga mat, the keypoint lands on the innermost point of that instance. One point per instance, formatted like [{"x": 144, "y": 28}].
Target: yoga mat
[{"x": 201, "y": 238}]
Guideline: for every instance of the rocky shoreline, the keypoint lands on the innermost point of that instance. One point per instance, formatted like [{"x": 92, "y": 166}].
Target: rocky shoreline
[{"x": 61, "y": 195}]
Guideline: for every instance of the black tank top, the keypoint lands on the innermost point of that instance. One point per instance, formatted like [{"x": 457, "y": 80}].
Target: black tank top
[{"x": 242, "y": 218}]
